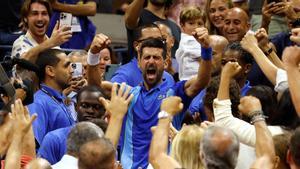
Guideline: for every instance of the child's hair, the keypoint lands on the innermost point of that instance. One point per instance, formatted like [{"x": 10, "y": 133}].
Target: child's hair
[{"x": 192, "y": 12}]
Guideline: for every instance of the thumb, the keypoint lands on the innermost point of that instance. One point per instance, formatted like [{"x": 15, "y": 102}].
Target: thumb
[
  {"x": 56, "y": 25},
  {"x": 104, "y": 102}
]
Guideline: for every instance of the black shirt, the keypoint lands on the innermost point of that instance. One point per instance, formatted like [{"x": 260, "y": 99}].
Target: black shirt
[{"x": 10, "y": 14}]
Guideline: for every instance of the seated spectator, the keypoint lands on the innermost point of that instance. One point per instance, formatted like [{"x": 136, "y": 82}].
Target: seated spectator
[
  {"x": 88, "y": 108},
  {"x": 97, "y": 154},
  {"x": 54, "y": 75},
  {"x": 80, "y": 134},
  {"x": 83, "y": 30},
  {"x": 219, "y": 148},
  {"x": 187, "y": 54},
  {"x": 35, "y": 16}
]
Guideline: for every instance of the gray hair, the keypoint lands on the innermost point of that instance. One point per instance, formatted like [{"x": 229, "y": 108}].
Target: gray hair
[
  {"x": 158, "y": 23},
  {"x": 219, "y": 148},
  {"x": 82, "y": 133},
  {"x": 79, "y": 53}
]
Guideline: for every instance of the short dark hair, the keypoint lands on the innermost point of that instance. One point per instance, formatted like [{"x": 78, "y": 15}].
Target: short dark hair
[
  {"x": 295, "y": 146},
  {"x": 245, "y": 56},
  {"x": 138, "y": 31},
  {"x": 154, "y": 43},
  {"x": 89, "y": 88},
  {"x": 26, "y": 9},
  {"x": 47, "y": 58}
]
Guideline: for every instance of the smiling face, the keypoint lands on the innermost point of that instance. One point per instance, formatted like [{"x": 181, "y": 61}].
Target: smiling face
[
  {"x": 152, "y": 65},
  {"x": 236, "y": 25},
  {"x": 38, "y": 20},
  {"x": 217, "y": 12},
  {"x": 105, "y": 58}
]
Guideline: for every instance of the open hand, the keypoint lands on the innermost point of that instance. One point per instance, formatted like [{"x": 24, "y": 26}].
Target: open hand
[
  {"x": 117, "y": 106},
  {"x": 20, "y": 116},
  {"x": 60, "y": 35}
]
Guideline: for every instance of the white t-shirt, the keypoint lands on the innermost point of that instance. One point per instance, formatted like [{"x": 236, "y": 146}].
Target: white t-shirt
[
  {"x": 188, "y": 56},
  {"x": 22, "y": 45}
]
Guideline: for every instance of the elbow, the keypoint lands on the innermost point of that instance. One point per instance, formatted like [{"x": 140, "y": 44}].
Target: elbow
[{"x": 129, "y": 22}]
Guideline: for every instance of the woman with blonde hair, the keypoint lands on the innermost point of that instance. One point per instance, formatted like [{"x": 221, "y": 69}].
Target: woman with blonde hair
[{"x": 186, "y": 147}]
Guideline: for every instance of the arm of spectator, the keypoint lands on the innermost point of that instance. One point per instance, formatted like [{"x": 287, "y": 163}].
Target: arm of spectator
[
  {"x": 28, "y": 144},
  {"x": 251, "y": 107},
  {"x": 117, "y": 108},
  {"x": 94, "y": 72},
  {"x": 264, "y": 162},
  {"x": 158, "y": 150},
  {"x": 249, "y": 43},
  {"x": 267, "y": 11},
  {"x": 87, "y": 9},
  {"x": 133, "y": 13},
  {"x": 285, "y": 8},
  {"x": 195, "y": 85},
  {"x": 291, "y": 60},
  {"x": 58, "y": 37},
  {"x": 22, "y": 124}
]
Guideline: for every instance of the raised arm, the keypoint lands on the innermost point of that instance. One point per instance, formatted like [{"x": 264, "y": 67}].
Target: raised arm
[
  {"x": 22, "y": 124},
  {"x": 249, "y": 43},
  {"x": 158, "y": 150},
  {"x": 58, "y": 37},
  {"x": 87, "y": 9},
  {"x": 291, "y": 60},
  {"x": 264, "y": 146},
  {"x": 195, "y": 85},
  {"x": 133, "y": 13},
  {"x": 94, "y": 72},
  {"x": 117, "y": 108}
]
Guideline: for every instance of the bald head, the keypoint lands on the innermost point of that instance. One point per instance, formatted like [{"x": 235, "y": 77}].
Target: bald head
[
  {"x": 218, "y": 43},
  {"x": 219, "y": 147},
  {"x": 38, "y": 163},
  {"x": 236, "y": 24},
  {"x": 97, "y": 154}
]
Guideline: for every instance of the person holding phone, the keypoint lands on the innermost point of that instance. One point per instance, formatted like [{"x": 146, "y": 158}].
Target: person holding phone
[{"x": 35, "y": 18}]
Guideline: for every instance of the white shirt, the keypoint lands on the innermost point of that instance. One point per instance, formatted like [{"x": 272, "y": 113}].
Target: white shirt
[
  {"x": 281, "y": 81},
  {"x": 67, "y": 162},
  {"x": 188, "y": 56},
  {"x": 244, "y": 131},
  {"x": 23, "y": 44}
]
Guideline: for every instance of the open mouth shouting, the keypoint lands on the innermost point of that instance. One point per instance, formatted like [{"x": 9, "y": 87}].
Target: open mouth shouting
[{"x": 151, "y": 73}]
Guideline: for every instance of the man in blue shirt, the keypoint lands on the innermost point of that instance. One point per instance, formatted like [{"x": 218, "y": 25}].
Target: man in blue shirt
[
  {"x": 234, "y": 53},
  {"x": 125, "y": 72},
  {"x": 54, "y": 75},
  {"x": 144, "y": 108},
  {"x": 88, "y": 108}
]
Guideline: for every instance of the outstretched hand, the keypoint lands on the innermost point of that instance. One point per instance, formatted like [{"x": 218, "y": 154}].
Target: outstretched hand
[
  {"x": 20, "y": 116},
  {"x": 117, "y": 106},
  {"x": 60, "y": 35},
  {"x": 172, "y": 105},
  {"x": 249, "y": 42}
]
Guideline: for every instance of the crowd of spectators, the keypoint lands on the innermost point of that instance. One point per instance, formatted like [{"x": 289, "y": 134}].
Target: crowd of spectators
[{"x": 208, "y": 84}]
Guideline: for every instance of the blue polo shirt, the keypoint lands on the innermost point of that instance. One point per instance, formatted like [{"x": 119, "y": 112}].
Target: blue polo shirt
[
  {"x": 142, "y": 115},
  {"x": 52, "y": 112},
  {"x": 54, "y": 145},
  {"x": 197, "y": 104},
  {"x": 131, "y": 74}
]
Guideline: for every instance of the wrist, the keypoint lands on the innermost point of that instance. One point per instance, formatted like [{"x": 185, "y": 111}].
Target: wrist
[
  {"x": 256, "y": 116},
  {"x": 163, "y": 115},
  {"x": 93, "y": 59},
  {"x": 206, "y": 53}
]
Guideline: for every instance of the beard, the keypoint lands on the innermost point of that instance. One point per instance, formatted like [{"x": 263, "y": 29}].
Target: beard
[
  {"x": 158, "y": 2},
  {"x": 151, "y": 82}
]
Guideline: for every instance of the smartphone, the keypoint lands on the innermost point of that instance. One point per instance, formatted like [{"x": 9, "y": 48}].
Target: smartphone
[
  {"x": 77, "y": 69},
  {"x": 65, "y": 19}
]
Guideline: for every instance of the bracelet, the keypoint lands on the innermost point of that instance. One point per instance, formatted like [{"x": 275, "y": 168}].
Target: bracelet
[
  {"x": 206, "y": 53},
  {"x": 93, "y": 59},
  {"x": 269, "y": 51},
  {"x": 163, "y": 114},
  {"x": 257, "y": 116}
]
